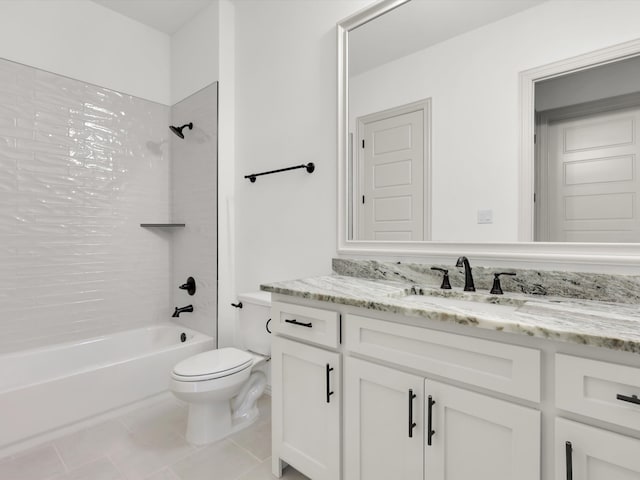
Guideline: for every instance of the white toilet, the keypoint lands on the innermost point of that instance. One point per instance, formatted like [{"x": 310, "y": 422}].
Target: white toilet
[{"x": 222, "y": 386}]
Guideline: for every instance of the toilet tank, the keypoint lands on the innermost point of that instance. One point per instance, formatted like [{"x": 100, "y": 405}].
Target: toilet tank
[{"x": 253, "y": 317}]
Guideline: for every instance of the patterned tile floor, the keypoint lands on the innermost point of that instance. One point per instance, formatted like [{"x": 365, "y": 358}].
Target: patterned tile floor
[{"x": 149, "y": 444}]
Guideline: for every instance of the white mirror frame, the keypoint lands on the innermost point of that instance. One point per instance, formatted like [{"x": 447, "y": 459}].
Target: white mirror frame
[{"x": 594, "y": 257}]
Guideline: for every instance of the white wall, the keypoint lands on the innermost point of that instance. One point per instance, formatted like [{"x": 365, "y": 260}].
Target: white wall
[
  {"x": 227, "y": 315},
  {"x": 473, "y": 82},
  {"x": 85, "y": 41},
  {"x": 286, "y": 115},
  {"x": 194, "y": 54}
]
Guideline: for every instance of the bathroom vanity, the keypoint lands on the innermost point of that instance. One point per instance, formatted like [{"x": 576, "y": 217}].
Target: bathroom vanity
[{"x": 378, "y": 379}]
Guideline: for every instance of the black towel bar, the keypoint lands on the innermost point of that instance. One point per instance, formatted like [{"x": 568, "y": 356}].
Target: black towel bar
[{"x": 309, "y": 166}]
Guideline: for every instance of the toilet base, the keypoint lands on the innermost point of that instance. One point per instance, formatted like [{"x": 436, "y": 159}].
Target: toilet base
[
  {"x": 210, "y": 423},
  {"x": 213, "y": 420}
]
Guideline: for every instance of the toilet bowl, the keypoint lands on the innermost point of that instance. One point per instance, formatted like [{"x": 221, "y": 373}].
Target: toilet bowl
[{"x": 221, "y": 387}]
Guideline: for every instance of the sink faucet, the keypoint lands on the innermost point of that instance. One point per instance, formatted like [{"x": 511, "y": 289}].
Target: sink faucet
[
  {"x": 468, "y": 278},
  {"x": 178, "y": 311}
]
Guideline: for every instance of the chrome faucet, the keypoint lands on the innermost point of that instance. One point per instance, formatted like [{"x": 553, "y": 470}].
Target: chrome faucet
[
  {"x": 178, "y": 311},
  {"x": 468, "y": 278}
]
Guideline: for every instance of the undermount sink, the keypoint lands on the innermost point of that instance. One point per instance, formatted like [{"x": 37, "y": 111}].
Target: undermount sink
[
  {"x": 472, "y": 303},
  {"x": 468, "y": 302}
]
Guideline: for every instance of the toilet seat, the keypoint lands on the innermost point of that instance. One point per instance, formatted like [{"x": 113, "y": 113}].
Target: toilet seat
[{"x": 212, "y": 364}]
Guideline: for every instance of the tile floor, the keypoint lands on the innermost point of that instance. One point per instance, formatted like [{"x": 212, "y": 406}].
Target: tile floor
[{"x": 149, "y": 444}]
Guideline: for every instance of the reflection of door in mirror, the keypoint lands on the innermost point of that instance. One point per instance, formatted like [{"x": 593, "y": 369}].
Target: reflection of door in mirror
[
  {"x": 392, "y": 168},
  {"x": 587, "y": 188}
]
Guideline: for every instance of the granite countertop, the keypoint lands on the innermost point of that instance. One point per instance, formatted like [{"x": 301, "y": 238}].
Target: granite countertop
[{"x": 610, "y": 325}]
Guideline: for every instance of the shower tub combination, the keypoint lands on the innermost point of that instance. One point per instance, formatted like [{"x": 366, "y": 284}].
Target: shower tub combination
[{"x": 51, "y": 387}]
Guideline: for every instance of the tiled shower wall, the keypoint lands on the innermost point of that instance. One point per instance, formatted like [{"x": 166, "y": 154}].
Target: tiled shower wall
[
  {"x": 80, "y": 168},
  {"x": 194, "y": 200}
]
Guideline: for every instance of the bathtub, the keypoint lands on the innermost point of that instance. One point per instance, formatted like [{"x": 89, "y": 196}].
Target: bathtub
[{"x": 48, "y": 388}]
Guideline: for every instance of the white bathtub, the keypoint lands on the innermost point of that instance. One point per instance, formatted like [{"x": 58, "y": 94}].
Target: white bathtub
[{"x": 47, "y": 388}]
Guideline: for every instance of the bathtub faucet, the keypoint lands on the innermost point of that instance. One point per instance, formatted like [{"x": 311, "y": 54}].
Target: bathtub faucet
[{"x": 178, "y": 311}]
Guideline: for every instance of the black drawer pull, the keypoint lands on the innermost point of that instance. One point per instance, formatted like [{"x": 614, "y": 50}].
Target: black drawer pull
[
  {"x": 568, "y": 451},
  {"x": 631, "y": 399},
  {"x": 430, "y": 431},
  {"x": 412, "y": 424},
  {"x": 295, "y": 322},
  {"x": 329, "y": 392}
]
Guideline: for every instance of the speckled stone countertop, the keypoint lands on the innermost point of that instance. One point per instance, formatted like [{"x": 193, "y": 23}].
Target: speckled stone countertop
[{"x": 611, "y": 325}]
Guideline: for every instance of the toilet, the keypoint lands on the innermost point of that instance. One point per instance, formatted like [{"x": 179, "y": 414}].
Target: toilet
[{"x": 222, "y": 386}]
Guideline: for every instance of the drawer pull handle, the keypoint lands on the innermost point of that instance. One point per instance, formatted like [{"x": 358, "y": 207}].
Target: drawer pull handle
[
  {"x": 295, "y": 322},
  {"x": 631, "y": 399},
  {"x": 568, "y": 451},
  {"x": 430, "y": 432},
  {"x": 329, "y": 391},
  {"x": 412, "y": 424}
]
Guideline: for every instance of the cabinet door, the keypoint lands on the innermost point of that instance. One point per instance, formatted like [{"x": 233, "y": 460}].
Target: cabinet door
[
  {"x": 305, "y": 409},
  {"x": 381, "y": 404},
  {"x": 594, "y": 453},
  {"x": 475, "y": 436}
]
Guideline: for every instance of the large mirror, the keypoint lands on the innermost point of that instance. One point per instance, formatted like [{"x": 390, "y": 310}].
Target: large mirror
[{"x": 486, "y": 122}]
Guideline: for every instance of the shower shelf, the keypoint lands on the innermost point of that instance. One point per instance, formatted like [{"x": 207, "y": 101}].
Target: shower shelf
[{"x": 162, "y": 225}]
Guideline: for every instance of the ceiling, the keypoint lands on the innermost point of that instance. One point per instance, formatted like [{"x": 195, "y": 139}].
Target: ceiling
[{"x": 164, "y": 15}]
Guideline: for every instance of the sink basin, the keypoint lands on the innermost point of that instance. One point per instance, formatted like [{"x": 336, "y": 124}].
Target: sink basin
[{"x": 470, "y": 304}]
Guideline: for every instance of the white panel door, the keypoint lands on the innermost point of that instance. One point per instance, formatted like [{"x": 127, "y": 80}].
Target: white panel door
[
  {"x": 593, "y": 185},
  {"x": 380, "y": 408},
  {"x": 305, "y": 414},
  {"x": 594, "y": 454},
  {"x": 479, "y": 437},
  {"x": 392, "y": 166}
]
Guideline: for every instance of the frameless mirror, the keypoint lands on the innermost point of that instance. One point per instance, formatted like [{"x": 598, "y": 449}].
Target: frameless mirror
[{"x": 439, "y": 102}]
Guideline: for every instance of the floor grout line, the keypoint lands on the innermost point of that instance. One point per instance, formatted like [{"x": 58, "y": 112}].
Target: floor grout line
[
  {"x": 124, "y": 424},
  {"x": 245, "y": 449},
  {"x": 64, "y": 464},
  {"x": 120, "y": 472}
]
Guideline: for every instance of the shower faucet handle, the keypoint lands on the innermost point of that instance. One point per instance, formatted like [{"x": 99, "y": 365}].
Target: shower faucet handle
[{"x": 190, "y": 286}]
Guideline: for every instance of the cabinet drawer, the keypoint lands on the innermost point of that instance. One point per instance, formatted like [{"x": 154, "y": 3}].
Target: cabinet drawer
[
  {"x": 592, "y": 388},
  {"x": 314, "y": 325},
  {"x": 497, "y": 366}
]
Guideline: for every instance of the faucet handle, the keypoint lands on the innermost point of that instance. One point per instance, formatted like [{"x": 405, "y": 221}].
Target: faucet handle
[
  {"x": 497, "y": 288},
  {"x": 445, "y": 278},
  {"x": 189, "y": 286}
]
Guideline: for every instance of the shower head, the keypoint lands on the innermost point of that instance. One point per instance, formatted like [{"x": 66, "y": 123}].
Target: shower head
[{"x": 178, "y": 130}]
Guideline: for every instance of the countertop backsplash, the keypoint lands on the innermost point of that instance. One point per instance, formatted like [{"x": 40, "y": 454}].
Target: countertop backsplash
[{"x": 580, "y": 285}]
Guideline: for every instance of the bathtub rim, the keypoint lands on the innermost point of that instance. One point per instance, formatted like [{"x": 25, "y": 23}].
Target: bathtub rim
[{"x": 198, "y": 337}]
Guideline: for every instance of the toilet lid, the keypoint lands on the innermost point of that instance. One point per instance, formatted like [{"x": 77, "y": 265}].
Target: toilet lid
[{"x": 212, "y": 364}]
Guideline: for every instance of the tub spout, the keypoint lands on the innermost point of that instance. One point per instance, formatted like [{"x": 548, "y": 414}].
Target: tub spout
[{"x": 178, "y": 311}]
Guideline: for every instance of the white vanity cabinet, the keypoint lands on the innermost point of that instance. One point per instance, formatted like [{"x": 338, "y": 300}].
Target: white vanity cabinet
[
  {"x": 407, "y": 426},
  {"x": 416, "y": 399},
  {"x": 306, "y": 391},
  {"x": 590, "y": 453},
  {"x": 477, "y": 436},
  {"x": 603, "y": 391},
  {"x": 384, "y": 431}
]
